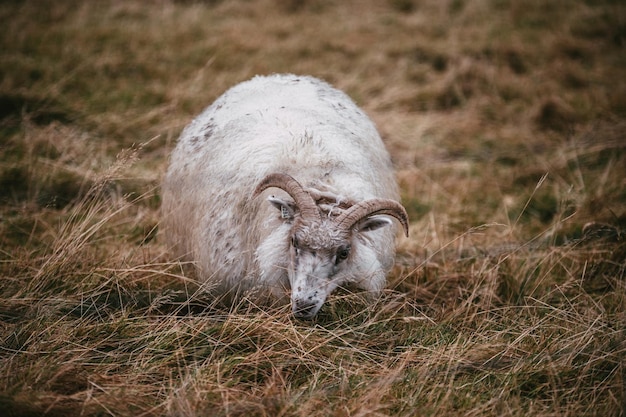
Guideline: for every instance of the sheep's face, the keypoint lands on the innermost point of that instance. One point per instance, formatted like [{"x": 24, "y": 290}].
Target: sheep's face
[
  {"x": 319, "y": 253},
  {"x": 321, "y": 247}
]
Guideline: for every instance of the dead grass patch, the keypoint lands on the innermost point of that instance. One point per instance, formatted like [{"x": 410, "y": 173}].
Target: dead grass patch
[{"x": 505, "y": 121}]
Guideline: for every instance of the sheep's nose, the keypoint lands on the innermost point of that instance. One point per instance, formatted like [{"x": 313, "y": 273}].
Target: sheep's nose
[{"x": 303, "y": 309}]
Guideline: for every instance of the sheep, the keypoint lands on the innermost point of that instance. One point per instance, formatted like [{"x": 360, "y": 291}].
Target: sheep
[{"x": 322, "y": 166}]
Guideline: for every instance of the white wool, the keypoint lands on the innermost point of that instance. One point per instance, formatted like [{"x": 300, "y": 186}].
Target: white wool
[{"x": 296, "y": 125}]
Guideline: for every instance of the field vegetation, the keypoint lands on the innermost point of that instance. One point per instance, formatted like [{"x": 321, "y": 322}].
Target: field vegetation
[{"x": 506, "y": 121}]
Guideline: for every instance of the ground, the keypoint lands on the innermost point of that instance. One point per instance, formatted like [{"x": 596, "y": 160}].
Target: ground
[{"x": 505, "y": 120}]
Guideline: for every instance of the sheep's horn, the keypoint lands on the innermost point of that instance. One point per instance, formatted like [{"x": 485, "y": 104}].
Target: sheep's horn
[
  {"x": 373, "y": 207},
  {"x": 304, "y": 202}
]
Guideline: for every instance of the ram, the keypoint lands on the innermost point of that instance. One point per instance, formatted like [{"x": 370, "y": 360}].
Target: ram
[{"x": 327, "y": 178}]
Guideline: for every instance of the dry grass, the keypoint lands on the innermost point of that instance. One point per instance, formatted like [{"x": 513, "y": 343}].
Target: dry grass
[{"x": 505, "y": 120}]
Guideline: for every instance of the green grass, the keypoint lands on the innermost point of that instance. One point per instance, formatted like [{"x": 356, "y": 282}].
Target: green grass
[{"x": 505, "y": 120}]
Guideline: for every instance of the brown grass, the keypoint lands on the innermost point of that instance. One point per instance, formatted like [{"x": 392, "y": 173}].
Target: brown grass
[{"x": 505, "y": 120}]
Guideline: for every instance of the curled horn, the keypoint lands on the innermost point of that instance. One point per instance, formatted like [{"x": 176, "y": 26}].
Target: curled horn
[
  {"x": 373, "y": 207},
  {"x": 304, "y": 202}
]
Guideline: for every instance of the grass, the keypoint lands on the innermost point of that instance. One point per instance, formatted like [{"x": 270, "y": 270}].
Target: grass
[{"x": 505, "y": 120}]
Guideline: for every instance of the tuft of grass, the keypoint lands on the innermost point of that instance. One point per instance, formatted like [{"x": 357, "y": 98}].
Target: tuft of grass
[{"x": 505, "y": 122}]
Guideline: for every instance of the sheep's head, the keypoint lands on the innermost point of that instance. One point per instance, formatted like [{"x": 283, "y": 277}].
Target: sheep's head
[{"x": 321, "y": 247}]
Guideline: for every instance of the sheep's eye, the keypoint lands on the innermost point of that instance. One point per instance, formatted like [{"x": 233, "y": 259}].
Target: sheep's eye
[
  {"x": 294, "y": 242},
  {"x": 342, "y": 254}
]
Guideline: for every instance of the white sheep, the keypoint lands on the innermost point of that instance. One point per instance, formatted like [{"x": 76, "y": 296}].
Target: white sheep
[{"x": 333, "y": 186}]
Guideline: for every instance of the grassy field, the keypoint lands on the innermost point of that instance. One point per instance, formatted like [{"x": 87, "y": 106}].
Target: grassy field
[{"x": 506, "y": 121}]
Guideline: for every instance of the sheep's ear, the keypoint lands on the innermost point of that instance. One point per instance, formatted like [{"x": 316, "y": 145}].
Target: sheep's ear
[
  {"x": 287, "y": 208},
  {"x": 372, "y": 223}
]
